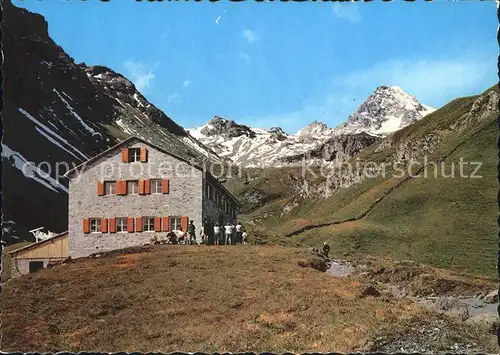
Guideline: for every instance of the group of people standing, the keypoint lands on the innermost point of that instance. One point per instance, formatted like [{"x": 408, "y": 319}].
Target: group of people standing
[{"x": 228, "y": 234}]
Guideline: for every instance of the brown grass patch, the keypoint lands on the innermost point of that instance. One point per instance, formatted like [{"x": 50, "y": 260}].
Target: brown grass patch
[
  {"x": 126, "y": 261},
  {"x": 194, "y": 298},
  {"x": 301, "y": 222},
  {"x": 342, "y": 227}
]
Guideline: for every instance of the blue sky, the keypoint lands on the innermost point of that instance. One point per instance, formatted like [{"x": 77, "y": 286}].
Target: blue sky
[{"x": 280, "y": 64}]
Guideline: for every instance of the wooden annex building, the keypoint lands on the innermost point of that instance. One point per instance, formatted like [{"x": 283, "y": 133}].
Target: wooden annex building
[{"x": 39, "y": 255}]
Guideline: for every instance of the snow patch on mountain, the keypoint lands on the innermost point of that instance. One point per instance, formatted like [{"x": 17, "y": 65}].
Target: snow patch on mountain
[
  {"x": 75, "y": 115},
  {"x": 60, "y": 139},
  {"x": 30, "y": 170}
]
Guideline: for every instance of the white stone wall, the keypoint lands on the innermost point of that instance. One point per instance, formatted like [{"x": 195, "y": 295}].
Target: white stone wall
[{"x": 184, "y": 199}]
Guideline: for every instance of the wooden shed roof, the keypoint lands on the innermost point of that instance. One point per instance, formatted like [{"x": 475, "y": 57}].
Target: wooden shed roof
[{"x": 38, "y": 244}]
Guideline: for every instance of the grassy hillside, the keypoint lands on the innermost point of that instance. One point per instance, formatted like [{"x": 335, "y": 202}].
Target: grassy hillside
[
  {"x": 200, "y": 298},
  {"x": 447, "y": 222}
]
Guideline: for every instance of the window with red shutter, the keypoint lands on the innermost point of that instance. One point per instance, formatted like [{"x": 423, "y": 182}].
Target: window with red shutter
[
  {"x": 112, "y": 225},
  {"x": 165, "y": 223},
  {"x": 147, "y": 187},
  {"x": 121, "y": 187},
  {"x": 125, "y": 155},
  {"x": 165, "y": 186},
  {"x": 157, "y": 224},
  {"x": 86, "y": 225},
  {"x": 134, "y": 155},
  {"x": 130, "y": 225},
  {"x": 95, "y": 225},
  {"x": 184, "y": 223},
  {"x": 155, "y": 186},
  {"x": 100, "y": 188},
  {"x": 141, "y": 187},
  {"x": 104, "y": 225},
  {"x": 138, "y": 224},
  {"x": 144, "y": 155}
]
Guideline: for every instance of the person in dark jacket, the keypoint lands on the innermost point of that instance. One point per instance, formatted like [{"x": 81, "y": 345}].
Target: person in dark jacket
[
  {"x": 192, "y": 233},
  {"x": 208, "y": 230},
  {"x": 326, "y": 249}
]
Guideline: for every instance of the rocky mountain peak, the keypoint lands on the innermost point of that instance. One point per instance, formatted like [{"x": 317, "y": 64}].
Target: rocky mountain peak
[
  {"x": 388, "y": 109},
  {"x": 313, "y": 129},
  {"x": 277, "y": 133},
  {"x": 219, "y": 126}
]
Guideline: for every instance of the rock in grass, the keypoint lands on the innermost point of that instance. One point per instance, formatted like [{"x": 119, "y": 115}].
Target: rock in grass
[
  {"x": 491, "y": 297},
  {"x": 487, "y": 320},
  {"x": 369, "y": 290}
]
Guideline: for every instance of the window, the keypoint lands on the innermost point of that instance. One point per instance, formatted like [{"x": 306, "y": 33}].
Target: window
[
  {"x": 175, "y": 223},
  {"x": 35, "y": 266},
  {"x": 148, "y": 224},
  {"x": 121, "y": 224},
  {"x": 109, "y": 187},
  {"x": 134, "y": 154},
  {"x": 133, "y": 187},
  {"x": 95, "y": 225},
  {"x": 156, "y": 186},
  {"x": 210, "y": 193},
  {"x": 207, "y": 192}
]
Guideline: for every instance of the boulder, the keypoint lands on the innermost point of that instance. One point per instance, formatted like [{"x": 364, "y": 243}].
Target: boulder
[
  {"x": 369, "y": 290},
  {"x": 491, "y": 297},
  {"x": 489, "y": 321}
]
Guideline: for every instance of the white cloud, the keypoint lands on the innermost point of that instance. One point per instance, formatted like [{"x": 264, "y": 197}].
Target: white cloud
[
  {"x": 432, "y": 82},
  {"x": 142, "y": 75},
  {"x": 429, "y": 80},
  {"x": 347, "y": 11},
  {"x": 250, "y": 36},
  {"x": 186, "y": 83},
  {"x": 245, "y": 56},
  {"x": 174, "y": 98}
]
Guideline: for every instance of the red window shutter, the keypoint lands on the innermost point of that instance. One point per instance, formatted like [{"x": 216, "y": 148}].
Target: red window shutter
[
  {"x": 86, "y": 225},
  {"x": 130, "y": 225},
  {"x": 157, "y": 224},
  {"x": 100, "y": 188},
  {"x": 118, "y": 187},
  {"x": 184, "y": 223},
  {"x": 165, "y": 223},
  {"x": 138, "y": 224},
  {"x": 124, "y": 187},
  {"x": 140, "y": 186},
  {"x": 112, "y": 225},
  {"x": 104, "y": 225},
  {"x": 165, "y": 186},
  {"x": 144, "y": 155},
  {"x": 125, "y": 156},
  {"x": 147, "y": 187}
]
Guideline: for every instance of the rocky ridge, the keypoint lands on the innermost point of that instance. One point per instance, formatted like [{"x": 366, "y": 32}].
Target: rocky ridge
[{"x": 387, "y": 110}]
